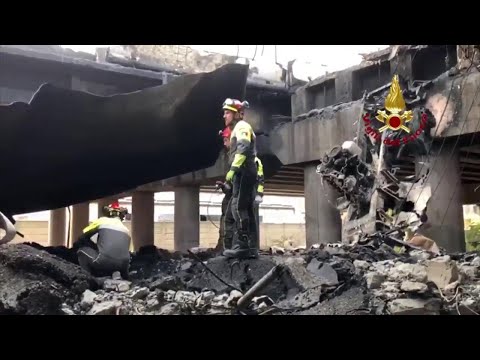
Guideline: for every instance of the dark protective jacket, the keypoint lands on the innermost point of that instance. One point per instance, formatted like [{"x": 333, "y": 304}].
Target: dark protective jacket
[
  {"x": 242, "y": 147},
  {"x": 111, "y": 237}
]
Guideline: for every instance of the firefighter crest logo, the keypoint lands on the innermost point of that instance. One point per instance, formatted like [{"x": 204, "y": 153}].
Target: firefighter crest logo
[
  {"x": 395, "y": 105},
  {"x": 394, "y": 117}
]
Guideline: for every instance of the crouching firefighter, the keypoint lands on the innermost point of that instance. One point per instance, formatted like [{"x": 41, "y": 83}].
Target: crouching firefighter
[
  {"x": 243, "y": 177},
  {"x": 103, "y": 248}
]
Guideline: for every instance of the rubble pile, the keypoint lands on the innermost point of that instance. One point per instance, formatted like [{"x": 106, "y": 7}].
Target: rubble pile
[{"x": 333, "y": 279}]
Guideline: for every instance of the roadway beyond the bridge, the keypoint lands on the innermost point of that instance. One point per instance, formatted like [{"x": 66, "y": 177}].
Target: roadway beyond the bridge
[{"x": 66, "y": 147}]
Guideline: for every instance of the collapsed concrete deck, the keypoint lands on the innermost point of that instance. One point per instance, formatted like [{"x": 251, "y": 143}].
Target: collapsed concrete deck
[{"x": 327, "y": 280}]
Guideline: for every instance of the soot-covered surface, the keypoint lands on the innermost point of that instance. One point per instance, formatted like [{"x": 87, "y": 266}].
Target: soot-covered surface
[
  {"x": 34, "y": 282},
  {"x": 65, "y": 146},
  {"x": 330, "y": 280}
]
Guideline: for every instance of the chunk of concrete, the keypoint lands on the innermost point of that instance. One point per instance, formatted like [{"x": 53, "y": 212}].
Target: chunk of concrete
[
  {"x": 88, "y": 299},
  {"x": 374, "y": 279},
  {"x": 413, "y": 286},
  {"x": 470, "y": 272},
  {"x": 442, "y": 271},
  {"x": 402, "y": 271},
  {"x": 361, "y": 265},
  {"x": 168, "y": 283},
  {"x": 117, "y": 285},
  {"x": 476, "y": 261},
  {"x": 141, "y": 293},
  {"x": 170, "y": 309},
  {"x": 233, "y": 298},
  {"x": 105, "y": 308},
  {"x": 414, "y": 307},
  {"x": 326, "y": 274},
  {"x": 298, "y": 275}
]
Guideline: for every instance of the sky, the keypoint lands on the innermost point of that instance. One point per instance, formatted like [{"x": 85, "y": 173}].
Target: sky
[{"x": 311, "y": 60}]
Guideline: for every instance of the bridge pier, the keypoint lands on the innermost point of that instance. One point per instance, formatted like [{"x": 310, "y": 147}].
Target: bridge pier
[
  {"x": 186, "y": 233},
  {"x": 57, "y": 227},
  {"x": 143, "y": 204},
  {"x": 322, "y": 220},
  {"x": 445, "y": 207},
  {"x": 80, "y": 217}
]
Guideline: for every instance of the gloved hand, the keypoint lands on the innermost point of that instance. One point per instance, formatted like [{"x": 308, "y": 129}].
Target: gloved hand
[
  {"x": 258, "y": 199},
  {"x": 229, "y": 176}
]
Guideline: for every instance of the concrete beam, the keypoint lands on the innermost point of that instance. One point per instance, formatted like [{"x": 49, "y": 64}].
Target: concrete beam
[
  {"x": 187, "y": 218},
  {"x": 462, "y": 112},
  {"x": 309, "y": 139},
  {"x": 57, "y": 227}
]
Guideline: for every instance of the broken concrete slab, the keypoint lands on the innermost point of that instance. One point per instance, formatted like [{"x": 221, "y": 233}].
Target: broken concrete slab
[
  {"x": 469, "y": 272},
  {"x": 350, "y": 302},
  {"x": 88, "y": 299},
  {"x": 442, "y": 271},
  {"x": 35, "y": 282},
  {"x": 403, "y": 271},
  {"x": 413, "y": 286},
  {"x": 414, "y": 307},
  {"x": 117, "y": 285},
  {"x": 323, "y": 271},
  {"x": 105, "y": 308},
  {"x": 374, "y": 280}
]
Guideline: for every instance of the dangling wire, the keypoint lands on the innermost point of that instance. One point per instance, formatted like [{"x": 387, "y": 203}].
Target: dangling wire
[{"x": 208, "y": 212}]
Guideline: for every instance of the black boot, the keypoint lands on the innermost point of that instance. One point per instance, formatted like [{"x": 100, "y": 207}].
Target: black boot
[{"x": 240, "y": 249}]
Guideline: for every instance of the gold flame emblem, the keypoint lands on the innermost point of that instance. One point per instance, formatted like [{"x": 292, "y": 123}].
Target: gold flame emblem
[{"x": 395, "y": 105}]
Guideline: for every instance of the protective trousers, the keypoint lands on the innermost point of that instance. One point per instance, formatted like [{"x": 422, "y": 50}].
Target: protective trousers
[
  {"x": 242, "y": 206},
  {"x": 100, "y": 265},
  {"x": 227, "y": 223}
]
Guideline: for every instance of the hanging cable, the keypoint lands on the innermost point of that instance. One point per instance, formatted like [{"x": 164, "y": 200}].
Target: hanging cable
[
  {"x": 255, "y": 53},
  {"x": 208, "y": 208}
]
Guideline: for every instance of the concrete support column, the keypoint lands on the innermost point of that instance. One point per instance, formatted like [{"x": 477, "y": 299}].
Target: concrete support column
[
  {"x": 322, "y": 220},
  {"x": 57, "y": 227},
  {"x": 143, "y": 205},
  {"x": 100, "y": 204},
  {"x": 187, "y": 218},
  {"x": 80, "y": 217},
  {"x": 446, "y": 201}
]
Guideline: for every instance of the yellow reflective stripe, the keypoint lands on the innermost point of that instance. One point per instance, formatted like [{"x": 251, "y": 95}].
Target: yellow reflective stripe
[
  {"x": 238, "y": 160},
  {"x": 260, "y": 188},
  {"x": 92, "y": 226},
  {"x": 260, "y": 166},
  {"x": 103, "y": 221}
]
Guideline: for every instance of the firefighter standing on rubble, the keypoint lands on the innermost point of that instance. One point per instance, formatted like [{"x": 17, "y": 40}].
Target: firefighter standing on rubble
[
  {"x": 103, "y": 248},
  {"x": 243, "y": 177},
  {"x": 227, "y": 222}
]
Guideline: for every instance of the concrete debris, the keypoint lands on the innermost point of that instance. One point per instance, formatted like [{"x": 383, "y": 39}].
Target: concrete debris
[
  {"x": 442, "y": 271},
  {"x": 105, "y": 308},
  {"x": 341, "y": 279},
  {"x": 414, "y": 307},
  {"x": 88, "y": 299}
]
